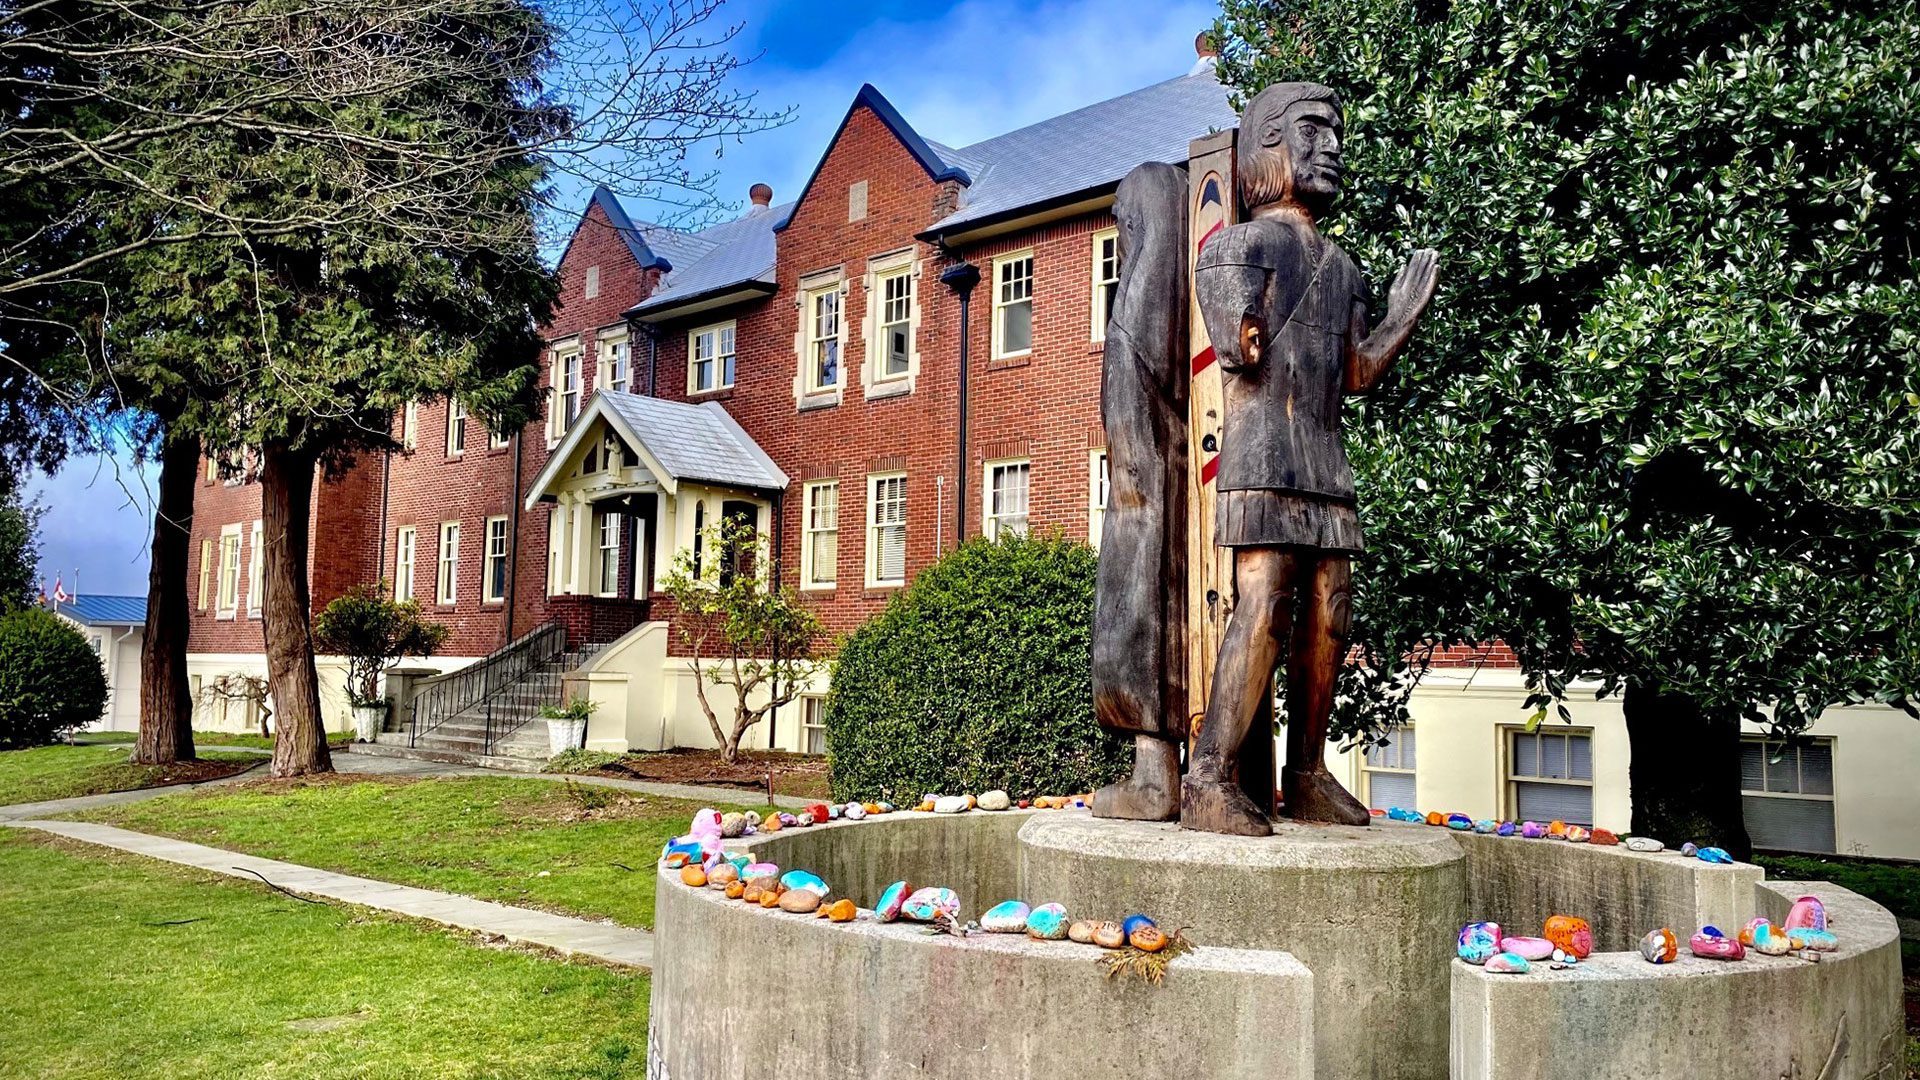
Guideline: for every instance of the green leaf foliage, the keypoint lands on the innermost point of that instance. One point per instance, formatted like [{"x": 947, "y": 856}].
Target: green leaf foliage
[
  {"x": 51, "y": 681},
  {"x": 976, "y": 676},
  {"x": 1662, "y": 422},
  {"x": 371, "y": 629}
]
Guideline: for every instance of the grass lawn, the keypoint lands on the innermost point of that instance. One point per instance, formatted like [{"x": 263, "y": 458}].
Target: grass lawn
[
  {"x": 204, "y": 738},
  {"x": 61, "y": 772},
  {"x": 485, "y": 837},
  {"x": 126, "y": 968}
]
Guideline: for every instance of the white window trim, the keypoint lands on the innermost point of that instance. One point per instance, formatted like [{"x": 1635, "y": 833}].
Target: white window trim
[
  {"x": 456, "y": 424},
  {"x": 874, "y": 381},
  {"x": 807, "y": 532},
  {"x": 405, "y": 556},
  {"x": 999, "y": 351},
  {"x": 446, "y": 566},
  {"x": 256, "y": 570},
  {"x": 1097, "y": 293},
  {"x": 1097, "y": 498},
  {"x": 603, "y": 368},
  {"x": 226, "y": 606},
  {"x": 1767, "y": 763},
  {"x": 487, "y": 595},
  {"x": 988, "y": 521},
  {"x": 410, "y": 425},
  {"x": 1367, "y": 768},
  {"x": 805, "y": 393},
  {"x": 719, "y": 365},
  {"x": 874, "y": 581},
  {"x": 812, "y": 705},
  {"x": 1510, "y": 779},
  {"x": 558, "y": 352},
  {"x": 603, "y": 587},
  {"x": 208, "y": 587}
]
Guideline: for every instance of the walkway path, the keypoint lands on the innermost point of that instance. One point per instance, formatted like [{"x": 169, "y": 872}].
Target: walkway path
[{"x": 622, "y": 945}]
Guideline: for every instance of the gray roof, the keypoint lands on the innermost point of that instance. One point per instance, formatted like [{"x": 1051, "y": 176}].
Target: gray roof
[
  {"x": 106, "y": 610},
  {"x": 733, "y": 254},
  {"x": 677, "y": 441}
]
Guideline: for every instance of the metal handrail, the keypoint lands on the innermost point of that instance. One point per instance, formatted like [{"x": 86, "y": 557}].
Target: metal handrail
[
  {"x": 441, "y": 699},
  {"x": 545, "y": 685}
]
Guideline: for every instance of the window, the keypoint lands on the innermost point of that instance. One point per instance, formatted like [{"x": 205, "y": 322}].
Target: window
[
  {"x": 820, "y": 552},
  {"x": 456, "y": 428},
  {"x": 494, "y": 588},
  {"x": 823, "y": 339},
  {"x": 1389, "y": 771},
  {"x": 446, "y": 584},
  {"x": 569, "y": 389},
  {"x": 1006, "y": 502},
  {"x": 256, "y": 559},
  {"x": 1013, "y": 306},
  {"x": 410, "y": 425},
  {"x": 497, "y": 440},
  {"x": 896, "y": 324},
  {"x": 206, "y": 572},
  {"x": 1787, "y": 792},
  {"x": 710, "y": 358},
  {"x": 813, "y": 724},
  {"x": 607, "y": 569},
  {"x": 1099, "y": 484},
  {"x": 229, "y": 569},
  {"x": 213, "y": 468},
  {"x": 615, "y": 364},
  {"x": 404, "y": 543},
  {"x": 556, "y": 543},
  {"x": 593, "y": 282},
  {"x": 739, "y": 539},
  {"x": 1550, "y": 776},
  {"x": 94, "y": 640},
  {"x": 887, "y": 529},
  {"x": 1106, "y": 279}
]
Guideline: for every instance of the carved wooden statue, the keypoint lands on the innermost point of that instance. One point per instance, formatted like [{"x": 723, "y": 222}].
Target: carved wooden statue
[
  {"x": 1139, "y": 671},
  {"x": 1285, "y": 310}
]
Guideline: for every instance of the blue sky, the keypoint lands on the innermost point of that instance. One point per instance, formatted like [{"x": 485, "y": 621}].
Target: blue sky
[{"x": 959, "y": 72}]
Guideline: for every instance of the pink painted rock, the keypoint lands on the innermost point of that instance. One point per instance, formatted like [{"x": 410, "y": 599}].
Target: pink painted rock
[
  {"x": 892, "y": 899},
  {"x": 1711, "y": 944},
  {"x": 1527, "y": 948},
  {"x": 1578, "y": 835},
  {"x": 1507, "y": 963},
  {"x": 1479, "y": 942},
  {"x": 1807, "y": 913}
]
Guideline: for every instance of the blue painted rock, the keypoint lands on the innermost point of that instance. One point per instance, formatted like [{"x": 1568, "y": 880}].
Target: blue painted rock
[
  {"x": 679, "y": 853},
  {"x": 892, "y": 898},
  {"x": 1578, "y": 835},
  {"x": 1506, "y": 828},
  {"x": 1006, "y": 917},
  {"x": 854, "y": 811},
  {"x": 1807, "y": 913},
  {"x": 1711, "y": 944},
  {"x": 1485, "y": 826},
  {"x": 1479, "y": 942},
  {"x": 1459, "y": 821},
  {"x": 926, "y": 905},
  {"x": 1689, "y": 849},
  {"x": 1048, "y": 922},
  {"x": 950, "y": 804},
  {"x": 833, "y": 813},
  {"x": 1763, "y": 937},
  {"x": 1713, "y": 855},
  {"x": 1507, "y": 963},
  {"x": 1401, "y": 813},
  {"x": 1644, "y": 844},
  {"x": 1135, "y": 922},
  {"x": 1533, "y": 830},
  {"x": 803, "y": 879},
  {"x": 1527, "y": 948},
  {"x": 1805, "y": 937},
  {"x": 1659, "y": 946},
  {"x": 995, "y": 800}
]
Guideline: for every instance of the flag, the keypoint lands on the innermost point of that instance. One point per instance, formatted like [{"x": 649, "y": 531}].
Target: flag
[{"x": 59, "y": 591}]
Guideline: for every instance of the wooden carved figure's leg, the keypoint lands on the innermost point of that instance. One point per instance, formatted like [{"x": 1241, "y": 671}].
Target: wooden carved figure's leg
[
  {"x": 1313, "y": 669},
  {"x": 1263, "y": 581}
]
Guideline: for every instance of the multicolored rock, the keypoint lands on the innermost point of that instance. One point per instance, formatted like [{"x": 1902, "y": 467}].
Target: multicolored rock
[
  {"x": 1806, "y": 937},
  {"x": 1577, "y": 835},
  {"x": 1713, "y": 855},
  {"x": 1644, "y": 844},
  {"x": 803, "y": 879},
  {"x": 892, "y": 899},
  {"x": 1135, "y": 922},
  {"x": 1006, "y": 917},
  {"x": 1604, "y": 837},
  {"x": 1532, "y": 830},
  {"x": 733, "y": 826},
  {"x": 1711, "y": 944},
  {"x": 1556, "y": 830},
  {"x": 1571, "y": 934},
  {"x": 1485, "y": 826},
  {"x": 1478, "y": 942},
  {"x": 760, "y": 873},
  {"x": 1659, "y": 946},
  {"x": 853, "y": 811},
  {"x": 1401, "y": 813},
  {"x": 926, "y": 905},
  {"x": 995, "y": 800},
  {"x": 1763, "y": 937},
  {"x": 1459, "y": 822},
  {"x": 1506, "y": 828},
  {"x": 1528, "y": 948},
  {"x": 1507, "y": 963},
  {"x": 1807, "y": 913},
  {"x": 1048, "y": 922}
]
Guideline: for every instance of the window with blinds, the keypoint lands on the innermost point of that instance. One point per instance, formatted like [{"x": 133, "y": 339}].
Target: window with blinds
[
  {"x": 1787, "y": 794},
  {"x": 814, "y": 724},
  {"x": 821, "y": 554},
  {"x": 887, "y": 529},
  {"x": 1550, "y": 776},
  {"x": 1389, "y": 770}
]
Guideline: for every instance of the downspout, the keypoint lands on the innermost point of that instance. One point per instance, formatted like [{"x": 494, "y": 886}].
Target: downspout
[
  {"x": 961, "y": 278},
  {"x": 386, "y": 490},
  {"x": 652, "y": 331},
  {"x": 514, "y": 511},
  {"x": 779, "y": 536}
]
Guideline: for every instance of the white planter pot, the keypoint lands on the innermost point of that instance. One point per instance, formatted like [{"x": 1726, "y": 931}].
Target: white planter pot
[
  {"x": 564, "y": 735},
  {"x": 367, "y": 721}
]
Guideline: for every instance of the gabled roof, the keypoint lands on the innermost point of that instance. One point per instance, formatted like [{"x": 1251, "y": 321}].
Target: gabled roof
[
  {"x": 105, "y": 610},
  {"x": 735, "y": 255},
  {"x": 676, "y": 441},
  {"x": 938, "y": 169},
  {"x": 609, "y": 204}
]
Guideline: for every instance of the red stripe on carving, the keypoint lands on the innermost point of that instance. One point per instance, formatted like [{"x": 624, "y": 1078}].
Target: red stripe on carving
[
  {"x": 1217, "y": 226},
  {"x": 1203, "y": 360},
  {"x": 1211, "y": 467}
]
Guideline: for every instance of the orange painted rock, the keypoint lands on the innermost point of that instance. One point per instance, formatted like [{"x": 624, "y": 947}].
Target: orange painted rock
[
  {"x": 800, "y": 901},
  {"x": 871, "y": 808},
  {"x": 692, "y": 874},
  {"x": 842, "y": 910},
  {"x": 1557, "y": 830},
  {"x": 1436, "y": 818},
  {"x": 752, "y": 893},
  {"x": 1603, "y": 837},
  {"x": 1148, "y": 939},
  {"x": 1571, "y": 934},
  {"x": 736, "y": 889},
  {"x": 771, "y": 824},
  {"x": 925, "y": 807},
  {"x": 770, "y": 898}
]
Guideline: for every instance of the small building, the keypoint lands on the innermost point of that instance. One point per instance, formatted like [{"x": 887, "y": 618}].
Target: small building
[{"x": 116, "y": 628}]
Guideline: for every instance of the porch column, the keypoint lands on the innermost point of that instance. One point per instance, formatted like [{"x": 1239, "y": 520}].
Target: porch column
[{"x": 580, "y": 550}]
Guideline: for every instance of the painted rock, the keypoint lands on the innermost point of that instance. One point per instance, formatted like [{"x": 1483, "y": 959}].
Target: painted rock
[
  {"x": 736, "y": 889},
  {"x": 1436, "y": 818},
  {"x": 1713, "y": 855},
  {"x": 773, "y": 824},
  {"x": 996, "y": 800},
  {"x": 1527, "y": 948},
  {"x": 679, "y": 853},
  {"x": 1604, "y": 837},
  {"x": 1479, "y": 942},
  {"x": 872, "y": 808},
  {"x": 1507, "y": 963},
  {"x": 926, "y": 905},
  {"x": 1533, "y": 830},
  {"x": 1689, "y": 849},
  {"x": 1006, "y": 917},
  {"x": 1024, "y": 803},
  {"x": 733, "y": 826},
  {"x": 1376, "y": 812},
  {"x": 1485, "y": 826},
  {"x": 1711, "y": 944},
  {"x": 1806, "y": 937},
  {"x": 1401, "y": 813},
  {"x": 842, "y": 910},
  {"x": 770, "y": 897},
  {"x": 950, "y": 804},
  {"x": 1578, "y": 835},
  {"x": 1645, "y": 844},
  {"x": 1147, "y": 938},
  {"x": 925, "y": 806},
  {"x": 800, "y": 901},
  {"x": 1048, "y": 922},
  {"x": 886, "y": 807},
  {"x": 1459, "y": 821},
  {"x": 1108, "y": 935},
  {"x": 753, "y": 817},
  {"x": 1081, "y": 802},
  {"x": 1763, "y": 937},
  {"x": 802, "y": 820},
  {"x": 788, "y": 819},
  {"x": 971, "y": 801},
  {"x": 1659, "y": 946},
  {"x": 1506, "y": 828},
  {"x": 818, "y": 812},
  {"x": 765, "y": 873},
  {"x": 1807, "y": 913},
  {"x": 1135, "y": 922},
  {"x": 693, "y": 874},
  {"x": 854, "y": 812},
  {"x": 1556, "y": 830},
  {"x": 892, "y": 899},
  {"x": 1081, "y": 930},
  {"x": 802, "y": 879},
  {"x": 723, "y": 875},
  {"x": 752, "y": 892},
  {"x": 1571, "y": 934},
  {"x": 833, "y": 813}
]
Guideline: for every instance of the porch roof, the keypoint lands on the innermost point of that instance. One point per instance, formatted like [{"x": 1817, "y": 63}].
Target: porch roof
[{"x": 675, "y": 440}]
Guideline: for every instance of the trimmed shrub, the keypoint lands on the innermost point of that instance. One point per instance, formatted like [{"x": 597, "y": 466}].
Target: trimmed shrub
[
  {"x": 50, "y": 680},
  {"x": 976, "y": 676}
]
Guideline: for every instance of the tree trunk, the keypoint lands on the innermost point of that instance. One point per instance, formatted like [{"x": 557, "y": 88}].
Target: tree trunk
[
  {"x": 1686, "y": 771},
  {"x": 166, "y": 703},
  {"x": 286, "y": 503}
]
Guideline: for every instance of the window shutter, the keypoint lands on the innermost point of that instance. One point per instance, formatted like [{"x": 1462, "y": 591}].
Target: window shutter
[
  {"x": 1790, "y": 824},
  {"x": 1554, "y": 802}
]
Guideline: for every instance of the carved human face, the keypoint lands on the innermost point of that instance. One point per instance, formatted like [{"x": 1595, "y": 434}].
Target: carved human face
[{"x": 1307, "y": 134}]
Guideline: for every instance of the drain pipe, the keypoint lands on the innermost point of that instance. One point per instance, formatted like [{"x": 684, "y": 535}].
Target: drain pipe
[
  {"x": 779, "y": 534},
  {"x": 652, "y": 330},
  {"x": 961, "y": 278},
  {"x": 514, "y": 511}
]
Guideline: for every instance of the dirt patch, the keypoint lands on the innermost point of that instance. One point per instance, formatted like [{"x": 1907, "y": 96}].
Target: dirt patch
[
  {"x": 572, "y": 802},
  {"x": 193, "y": 772},
  {"x": 802, "y": 775}
]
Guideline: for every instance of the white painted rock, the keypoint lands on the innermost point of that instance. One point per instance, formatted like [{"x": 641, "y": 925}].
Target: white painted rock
[
  {"x": 995, "y": 800},
  {"x": 1644, "y": 844},
  {"x": 950, "y": 804}
]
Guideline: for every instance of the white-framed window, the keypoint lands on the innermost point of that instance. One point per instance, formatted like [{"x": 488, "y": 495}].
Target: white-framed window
[
  {"x": 894, "y": 343},
  {"x": 1106, "y": 279},
  {"x": 1787, "y": 793},
  {"x": 710, "y": 357},
  {"x": 813, "y": 724},
  {"x": 256, "y": 566},
  {"x": 1099, "y": 485},
  {"x": 1550, "y": 776},
  {"x": 410, "y": 425},
  {"x": 887, "y": 529},
  {"x": 497, "y": 440},
  {"x": 820, "y": 547},
  {"x": 616, "y": 364},
  {"x": 206, "y": 573},
  {"x": 456, "y": 428},
  {"x": 1389, "y": 771},
  {"x": 1013, "y": 305},
  {"x": 823, "y": 339},
  {"x": 1005, "y": 505},
  {"x": 592, "y": 289},
  {"x": 569, "y": 389},
  {"x": 556, "y": 544},
  {"x": 229, "y": 570},
  {"x": 493, "y": 583},
  {"x": 447, "y": 582},
  {"x": 406, "y": 542},
  {"x": 607, "y": 566}
]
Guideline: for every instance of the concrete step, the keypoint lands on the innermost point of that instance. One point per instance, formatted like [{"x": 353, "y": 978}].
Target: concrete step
[
  {"x": 502, "y": 763},
  {"x": 515, "y": 745}
]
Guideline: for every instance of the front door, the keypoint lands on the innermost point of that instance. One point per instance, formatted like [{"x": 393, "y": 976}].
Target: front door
[
  {"x": 646, "y": 514},
  {"x": 739, "y": 560}
]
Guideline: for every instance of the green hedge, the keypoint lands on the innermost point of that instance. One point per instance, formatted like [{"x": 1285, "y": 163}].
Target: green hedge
[
  {"x": 50, "y": 679},
  {"x": 976, "y": 677}
]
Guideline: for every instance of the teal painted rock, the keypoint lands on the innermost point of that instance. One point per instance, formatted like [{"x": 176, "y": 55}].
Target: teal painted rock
[
  {"x": 1805, "y": 937},
  {"x": 1006, "y": 917},
  {"x": 1485, "y": 826},
  {"x": 802, "y": 879},
  {"x": 892, "y": 899},
  {"x": 1401, "y": 813},
  {"x": 926, "y": 905},
  {"x": 1479, "y": 942},
  {"x": 1507, "y": 963},
  {"x": 1048, "y": 922},
  {"x": 1765, "y": 938},
  {"x": 1713, "y": 855}
]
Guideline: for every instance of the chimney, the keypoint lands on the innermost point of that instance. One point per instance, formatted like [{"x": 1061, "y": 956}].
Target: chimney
[
  {"x": 1205, "y": 55},
  {"x": 762, "y": 196}
]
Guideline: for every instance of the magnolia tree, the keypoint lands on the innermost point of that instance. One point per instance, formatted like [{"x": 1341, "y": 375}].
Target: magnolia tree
[
  {"x": 744, "y": 630},
  {"x": 372, "y": 630}
]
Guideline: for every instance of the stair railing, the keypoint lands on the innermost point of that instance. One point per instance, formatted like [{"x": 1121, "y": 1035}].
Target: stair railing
[{"x": 440, "y": 699}]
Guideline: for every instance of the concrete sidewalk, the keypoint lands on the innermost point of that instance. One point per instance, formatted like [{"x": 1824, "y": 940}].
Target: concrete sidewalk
[{"x": 608, "y": 942}]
